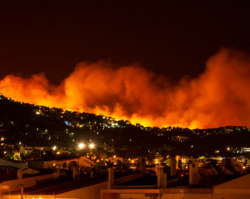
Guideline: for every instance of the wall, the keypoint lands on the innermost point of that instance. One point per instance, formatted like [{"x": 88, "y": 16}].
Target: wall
[
  {"x": 154, "y": 193},
  {"x": 130, "y": 193},
  {"x": 187, "y": 193},
  {"x": 17, "y": 165},
  {"x": 83, "y": 161},
  {"x": 49, "y": 164},
  {"x": 90, "y": 192},
  {"x": 27, "y": 182},
  {"x": 234, "y": 189},
  {"x": 33, "y": 197},
  {"x": 36, "y": 164},
  {"x": 187, "y": 196},
  {"x": 173, "y": 196},
  {"x": 95, "y": 190}
]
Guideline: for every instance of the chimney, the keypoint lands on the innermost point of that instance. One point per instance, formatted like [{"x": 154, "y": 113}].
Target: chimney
[
  {"x": 173, "y": 166},
  {"x": 111, "y": 178},
  {"x": 179, "y": 164},
  {"x": 142, "y": 167},
  {"x": 19, "y": 174},
  {"x": 74, "y": 172},
  {"x": 194, "y": 175},
  {"x": 56, "y": 174},
  {"x": 161, "y": 176}
]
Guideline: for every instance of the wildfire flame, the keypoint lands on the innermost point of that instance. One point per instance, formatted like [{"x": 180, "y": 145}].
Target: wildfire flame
[{"x": 218, "y": 97}]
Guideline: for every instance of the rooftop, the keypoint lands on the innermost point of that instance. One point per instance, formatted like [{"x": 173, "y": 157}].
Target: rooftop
[{"x": 65, "y": 184}]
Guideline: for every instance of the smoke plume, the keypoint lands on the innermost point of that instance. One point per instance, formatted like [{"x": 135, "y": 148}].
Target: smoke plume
[{"x": 218, "y": 97}]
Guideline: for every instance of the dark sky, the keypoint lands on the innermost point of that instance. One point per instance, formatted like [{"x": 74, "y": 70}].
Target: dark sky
[{"x": 173, "y": 38}]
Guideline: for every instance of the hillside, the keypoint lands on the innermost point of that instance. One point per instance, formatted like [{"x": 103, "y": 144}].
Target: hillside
[{"x": 31, "y": 125}]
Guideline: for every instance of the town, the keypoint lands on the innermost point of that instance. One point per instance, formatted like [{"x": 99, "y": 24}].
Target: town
[{"x": 43, "y": 147}]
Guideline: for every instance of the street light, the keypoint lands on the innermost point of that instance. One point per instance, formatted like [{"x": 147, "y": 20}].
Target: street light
[
  {"x": 91, "y": 146},
  {"x": 81, "y": 145}
]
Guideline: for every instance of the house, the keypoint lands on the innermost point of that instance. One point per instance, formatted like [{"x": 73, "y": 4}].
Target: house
[
  {"x": 13, "y": 164},
  {"x": 65, "y": 188},
  {"x": 195, "y": 187},
  {"x": 63, "y": 162}
]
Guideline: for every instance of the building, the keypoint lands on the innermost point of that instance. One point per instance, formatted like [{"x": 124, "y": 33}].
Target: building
[
  {"x": 229, "y": 187},
  {"x": 80, "y": 161},
  {"x": 54, "y": 185},
  {"x": 164, "y": 183}
]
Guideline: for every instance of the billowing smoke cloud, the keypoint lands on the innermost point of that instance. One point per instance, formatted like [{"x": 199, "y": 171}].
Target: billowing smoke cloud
[{"x": 218, "y": 97}]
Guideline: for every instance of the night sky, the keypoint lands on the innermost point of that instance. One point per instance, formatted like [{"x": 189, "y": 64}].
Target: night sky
[{"x": 173, "y": 38}]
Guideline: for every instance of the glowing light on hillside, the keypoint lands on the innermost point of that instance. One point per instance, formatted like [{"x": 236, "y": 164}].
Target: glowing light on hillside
[{"x": 81, "y": 145}]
